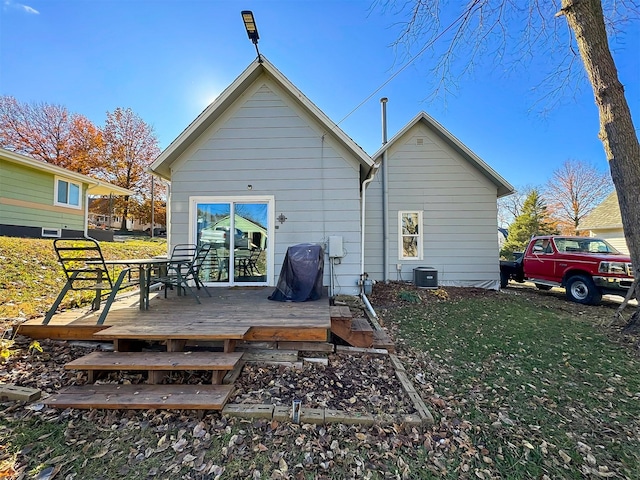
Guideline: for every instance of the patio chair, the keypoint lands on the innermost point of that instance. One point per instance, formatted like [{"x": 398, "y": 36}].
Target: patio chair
[
  {"x": 182, "y": 270},
  {"x": 85, "y": 269},
  {"x": 252, "y": 261}
]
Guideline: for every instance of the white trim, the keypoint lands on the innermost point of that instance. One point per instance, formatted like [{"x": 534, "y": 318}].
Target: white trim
[
  {"x": 95, "y": 187},
  {"x": 419, "y": 235},
  {"x": 503, "y": 187},
  {"x": 163, "y": 165},
  {"x": 268, "y": 199},
  {"x": 57, "y": 180}
]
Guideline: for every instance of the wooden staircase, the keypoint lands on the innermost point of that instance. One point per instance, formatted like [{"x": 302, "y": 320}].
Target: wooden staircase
[
  {"x": 150, "y": 395},
  {"x": 358, "y": 332}
]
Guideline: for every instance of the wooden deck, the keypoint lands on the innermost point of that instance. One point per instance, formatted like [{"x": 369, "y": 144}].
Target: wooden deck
[{"x": 230, "y": 313}]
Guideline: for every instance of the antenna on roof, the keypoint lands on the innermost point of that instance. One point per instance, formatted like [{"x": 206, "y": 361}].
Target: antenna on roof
[{"x": 252, "y": 30}]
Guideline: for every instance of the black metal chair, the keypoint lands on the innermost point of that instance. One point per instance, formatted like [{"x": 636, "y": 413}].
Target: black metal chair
[
  {"x": 183, "y": 268},
  {"x": 85, "y": 269}
]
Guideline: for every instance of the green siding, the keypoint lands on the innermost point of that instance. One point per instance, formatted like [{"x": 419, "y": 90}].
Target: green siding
[
  {"x": 36, "y": 187},
  {"x": 20, "y": 183}
]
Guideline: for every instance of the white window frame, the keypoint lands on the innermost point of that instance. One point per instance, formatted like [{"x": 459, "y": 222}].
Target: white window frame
[
  {"x": 419, "y": 235},
  {"x": 67, "y": 204}
]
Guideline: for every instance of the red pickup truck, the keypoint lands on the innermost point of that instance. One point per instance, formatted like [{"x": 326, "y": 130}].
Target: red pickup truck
[{"x": 586, "y": 267}]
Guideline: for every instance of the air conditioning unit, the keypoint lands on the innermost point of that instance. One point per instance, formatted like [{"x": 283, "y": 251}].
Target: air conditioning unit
[{"x": 425, "y": 277}]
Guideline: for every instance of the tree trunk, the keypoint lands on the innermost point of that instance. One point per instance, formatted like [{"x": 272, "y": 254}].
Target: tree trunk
[{"x": 617, "y": 133}]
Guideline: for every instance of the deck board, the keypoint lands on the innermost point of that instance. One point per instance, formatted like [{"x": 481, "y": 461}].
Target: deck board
[
  {"x": 228, "y": 308},
  {"x": 156, "y": 361},
  {"x": 133, "y": 397}
]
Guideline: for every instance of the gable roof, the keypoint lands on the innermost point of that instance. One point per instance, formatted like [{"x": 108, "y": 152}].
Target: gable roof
[
  {"x": 503, "y": 187},
  {"x": 95, "y": 186},
  {"x": 162, "y": 165},
  {"x": 605, "y": 215}
]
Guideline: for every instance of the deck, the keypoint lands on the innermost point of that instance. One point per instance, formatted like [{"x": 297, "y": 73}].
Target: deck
[{"x": 239, "y": 313}]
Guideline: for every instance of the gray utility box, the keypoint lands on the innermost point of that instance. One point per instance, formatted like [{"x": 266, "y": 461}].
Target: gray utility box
[{"x": 425, "y": 277}]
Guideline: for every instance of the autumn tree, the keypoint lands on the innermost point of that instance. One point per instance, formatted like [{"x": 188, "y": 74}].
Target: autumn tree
[
  {"x": 533, "y": 220},
  {"x": 573, "y": 191},
  {"x": 510, "y": 206},
  {"x": 130, "y": 145},
  {"x": 50, "y": 133},
  {"x": 482, "y": 27}
]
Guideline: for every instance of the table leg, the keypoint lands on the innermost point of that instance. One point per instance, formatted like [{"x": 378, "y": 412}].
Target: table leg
[
  {"x": 96, "y": 301},
  {"x": 142, "y": 278}
]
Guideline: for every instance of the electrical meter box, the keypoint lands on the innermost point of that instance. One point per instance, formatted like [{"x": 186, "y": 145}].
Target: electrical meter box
[{"x": 335, "y": 247}]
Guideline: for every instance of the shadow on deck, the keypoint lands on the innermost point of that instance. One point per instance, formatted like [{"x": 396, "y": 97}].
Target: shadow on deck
[{"x": 244, "y": 309}]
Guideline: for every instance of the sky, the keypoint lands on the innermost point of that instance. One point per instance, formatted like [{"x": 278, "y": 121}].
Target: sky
[{"x": 168, "y": 59}]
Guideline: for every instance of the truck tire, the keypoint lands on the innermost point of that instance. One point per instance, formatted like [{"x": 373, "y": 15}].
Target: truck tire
[
  {"x": 542, "y": 286},
  {"x": 581, "y": 289},
  {"x": 504, "y": 279}
]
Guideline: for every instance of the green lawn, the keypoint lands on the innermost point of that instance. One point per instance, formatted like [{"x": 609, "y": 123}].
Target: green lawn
[
  {"x": 537, "y": 391},
  {"x": 30, "y": 276}
]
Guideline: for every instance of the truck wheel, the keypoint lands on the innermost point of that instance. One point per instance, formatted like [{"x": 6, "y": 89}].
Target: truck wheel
[
  {"x": 581, "y": 289},
  {"x": 504, "y": 279},
  {"x": 542, "y": 286}
]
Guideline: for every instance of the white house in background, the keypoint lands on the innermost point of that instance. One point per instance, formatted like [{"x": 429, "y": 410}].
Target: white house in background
[
  {"x": 605, "y": 222},
  {"x": 435, "y": 183},
  {"x": 264, "y": 151}
]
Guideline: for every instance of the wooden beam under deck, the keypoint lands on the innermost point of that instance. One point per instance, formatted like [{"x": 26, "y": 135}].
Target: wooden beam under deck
[{"x": 237, "y": 309}]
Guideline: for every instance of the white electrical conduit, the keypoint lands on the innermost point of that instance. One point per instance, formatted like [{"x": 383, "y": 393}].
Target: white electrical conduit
[{"x": 366, "y": 302}]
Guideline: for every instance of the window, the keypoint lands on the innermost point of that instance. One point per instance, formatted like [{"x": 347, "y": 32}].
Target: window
[
  {"x": 67, "y": 193},
  {"x": 410, "y": 235}
]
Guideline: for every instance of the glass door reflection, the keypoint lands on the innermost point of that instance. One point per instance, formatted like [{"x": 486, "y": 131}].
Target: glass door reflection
[{"x": 237, "y": 233}]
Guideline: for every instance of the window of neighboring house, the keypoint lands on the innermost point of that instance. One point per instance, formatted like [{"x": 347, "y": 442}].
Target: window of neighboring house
[
  {"x": 67, "y": 193},
  {"x": 410, "y": 233}
]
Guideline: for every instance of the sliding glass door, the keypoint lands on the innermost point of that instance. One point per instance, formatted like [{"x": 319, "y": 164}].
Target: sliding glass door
[{"x": 238, "y": 231}]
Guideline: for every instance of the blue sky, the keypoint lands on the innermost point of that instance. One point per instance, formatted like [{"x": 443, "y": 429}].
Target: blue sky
[{"x": 168, "y": 59}]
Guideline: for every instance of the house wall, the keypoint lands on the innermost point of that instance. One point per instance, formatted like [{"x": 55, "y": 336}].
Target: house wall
[
  {"x": 459, "y": 213},
  {"x": 615, "y": 236},
  {"x": 266, "y": 140},
  {"x": 26, "y": 200}
]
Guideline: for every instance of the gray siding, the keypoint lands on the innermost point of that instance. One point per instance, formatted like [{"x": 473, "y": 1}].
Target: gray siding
[
  {"x": 267, "y": 141},
  {"x": 459, "y": 213}
]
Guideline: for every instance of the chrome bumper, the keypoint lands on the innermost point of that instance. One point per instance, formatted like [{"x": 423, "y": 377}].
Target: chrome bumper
[{"x": 613, "y": 283}]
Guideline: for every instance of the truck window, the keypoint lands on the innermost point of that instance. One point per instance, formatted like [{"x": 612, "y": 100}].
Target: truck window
[{"x": 542, "y": 245}]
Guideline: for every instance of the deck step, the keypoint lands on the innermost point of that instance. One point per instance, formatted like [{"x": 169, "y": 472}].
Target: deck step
[
  {"x": 361, "y": 325},
  {"x": 356, "y": 331},
  {"x": 153, "y": 362},
  {"x": 382, "y": 340},
  {"x": 137, "y": 397}
]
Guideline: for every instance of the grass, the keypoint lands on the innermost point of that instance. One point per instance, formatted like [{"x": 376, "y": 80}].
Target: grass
[
  {"x": 520, "y": 388},
  {"x": 546, "y": 393},
  {"x": 30, "y": 276}
]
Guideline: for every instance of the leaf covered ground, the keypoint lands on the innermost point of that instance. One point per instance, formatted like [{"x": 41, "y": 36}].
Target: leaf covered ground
[{"x": 522, "y": 384}]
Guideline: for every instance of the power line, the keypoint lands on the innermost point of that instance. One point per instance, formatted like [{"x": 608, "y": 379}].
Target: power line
[{"x": 413, "y": 59}]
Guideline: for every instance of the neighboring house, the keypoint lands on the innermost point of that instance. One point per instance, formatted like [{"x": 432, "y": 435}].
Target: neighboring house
[
  {"x": 442, "y": 209},
  {"x": 264, "y": 148},
  {"x": 38, "y": 199},
  {"x": 605, "y": 222},
  {"x": 256, "y": 233}
]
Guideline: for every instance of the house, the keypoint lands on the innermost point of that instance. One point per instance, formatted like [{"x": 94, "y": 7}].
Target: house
[
  {"x": 605, "y": 222},
  {"x": 38, "y": 199},
  {"x": 441, "y": 209},
  {"x": 264, "y": 152}
]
